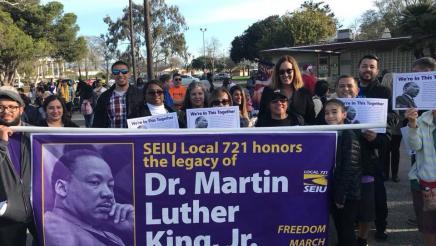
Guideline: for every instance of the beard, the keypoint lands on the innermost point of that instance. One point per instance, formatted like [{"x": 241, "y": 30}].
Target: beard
[
  {"x": 14, "y": 122},
  {"x": 372, "y": 77}
]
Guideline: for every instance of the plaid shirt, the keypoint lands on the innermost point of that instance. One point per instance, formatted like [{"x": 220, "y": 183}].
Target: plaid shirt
[{"x": 117, "y": 111}]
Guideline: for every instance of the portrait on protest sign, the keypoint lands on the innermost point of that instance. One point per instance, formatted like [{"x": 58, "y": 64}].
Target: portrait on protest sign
[
  {"x": 87, "y": 194},
  {"x": 414, "y": 90}
]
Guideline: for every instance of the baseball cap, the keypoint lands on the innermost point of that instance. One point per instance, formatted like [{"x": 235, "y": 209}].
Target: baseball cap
[
  {"x": 11, "y": 93},
  {"x": 277, "y": 94}
]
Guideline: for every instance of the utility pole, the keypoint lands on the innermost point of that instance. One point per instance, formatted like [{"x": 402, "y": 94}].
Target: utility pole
[
  {"x": 132, "y": 39},
  {"x": 148, "y": 40},
  {"x": 203, "y": 30}
]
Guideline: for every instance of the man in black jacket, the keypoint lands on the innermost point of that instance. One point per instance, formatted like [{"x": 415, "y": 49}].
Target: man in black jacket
[
  {"x": 121, "y": 102},
  {"x": 15, "y": 208},
  {"x": 370, "y": 87}
]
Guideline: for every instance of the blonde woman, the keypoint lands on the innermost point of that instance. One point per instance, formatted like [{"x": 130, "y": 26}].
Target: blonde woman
[{"x": 287, "y": 80}]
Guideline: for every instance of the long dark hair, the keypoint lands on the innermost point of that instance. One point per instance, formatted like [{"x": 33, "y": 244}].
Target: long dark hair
[
  {"x": 243, "y": 106},
  {"x": 65, "y": 116}
]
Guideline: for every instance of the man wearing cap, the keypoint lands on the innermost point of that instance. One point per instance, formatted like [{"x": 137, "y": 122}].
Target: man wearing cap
[
  {"x": 15, "y": 207},
  {"x": 280, "y": 115}
]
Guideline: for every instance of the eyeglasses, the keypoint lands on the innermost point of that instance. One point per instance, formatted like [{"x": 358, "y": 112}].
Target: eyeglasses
[
  {"x": 282, "y": 101},
  {"x": 221, "y": 102},
  {"x": 178, "y": 79},
  {"x": 11, "y": 109},
  {"x": 288, "y": 71},
  {"x": 155, "y": 92},
  {"x": 118, "y": 71}
]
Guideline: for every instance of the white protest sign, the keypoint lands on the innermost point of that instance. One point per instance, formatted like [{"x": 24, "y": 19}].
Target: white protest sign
[
  {"x": 414, "y": 90},
  {"x": 155, "y": 122},
  {"x": 366, "y": 110},
  {"x": 220, "y": 117}
]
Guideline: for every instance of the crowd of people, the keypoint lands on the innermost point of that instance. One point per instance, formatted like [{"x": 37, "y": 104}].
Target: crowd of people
[{"x": 365, "y": 160}]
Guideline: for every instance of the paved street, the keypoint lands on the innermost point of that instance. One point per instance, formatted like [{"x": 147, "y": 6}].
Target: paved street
[{"x": 400, "y": 209}]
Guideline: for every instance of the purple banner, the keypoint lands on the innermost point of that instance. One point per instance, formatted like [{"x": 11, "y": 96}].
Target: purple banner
[{"x": 186, "y": 189}]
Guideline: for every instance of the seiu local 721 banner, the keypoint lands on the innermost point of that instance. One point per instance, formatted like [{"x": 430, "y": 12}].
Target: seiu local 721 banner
[{"x": 266, "y": 188}]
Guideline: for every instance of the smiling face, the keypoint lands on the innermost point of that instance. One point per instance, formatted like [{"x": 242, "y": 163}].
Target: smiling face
[
  {"x": 347, "y": 88},
  {"x": 93, "y": 177},
  {"x": 368, "y": 70},
  {"x": 334, "y": 114},
  {"x": 154, "y": 95},
  {"x": 196, "y": 97},
  {"x": 278, "y": 108},
  {"x": 10, "y": 112},
  {"x": 237, "y": 97},
  {"x": 121, "y": 75},
  {"x": 54, "y": 111},
  {"x": 286, "y": 73}
]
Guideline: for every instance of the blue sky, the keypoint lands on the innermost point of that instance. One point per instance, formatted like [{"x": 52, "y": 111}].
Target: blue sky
[{"x": 224, "y": 19}]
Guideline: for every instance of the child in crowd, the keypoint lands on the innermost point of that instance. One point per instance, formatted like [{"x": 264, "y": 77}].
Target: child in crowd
[{"x": 346, "y": 175}]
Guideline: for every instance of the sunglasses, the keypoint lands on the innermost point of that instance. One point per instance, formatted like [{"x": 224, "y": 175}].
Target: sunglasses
[
  {"x": 282, "y": 101},
  {"x": 221, "y": 102},
  {"x": 118, "y": 71},
  {"x": 178, "y": 79},
  {"x": 288, "y": 71},
  {"x": 155, "y": 92}
]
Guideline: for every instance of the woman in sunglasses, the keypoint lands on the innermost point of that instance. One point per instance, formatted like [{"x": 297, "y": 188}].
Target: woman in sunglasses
[
  {"x": 287, "y": 79},
  {"x": 220, "y": 97},
  {"x": 239, "y": 99},
  {"x": 154, "y": 102},
  {"x": 279, "y": 113}
]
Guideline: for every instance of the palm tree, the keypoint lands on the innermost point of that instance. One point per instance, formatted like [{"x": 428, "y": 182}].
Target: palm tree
[{"x": 419, "y": 21}]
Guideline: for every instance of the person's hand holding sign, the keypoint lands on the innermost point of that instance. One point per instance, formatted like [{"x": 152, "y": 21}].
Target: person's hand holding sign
[
  {"x": 369, "y": 135},
  {"x": 412, "y": 115}
]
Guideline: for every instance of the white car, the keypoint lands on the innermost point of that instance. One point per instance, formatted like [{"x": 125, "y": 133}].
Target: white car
[{"x": 187, "y": 79}]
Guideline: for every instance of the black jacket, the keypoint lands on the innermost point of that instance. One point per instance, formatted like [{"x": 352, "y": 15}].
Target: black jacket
[
  {"x": 145, "y": 111},
  {"x": 14, "y": 188},
  {"x": 347, "y": 171},
  {"x": 293, "y": 119},
  {"x": 66, "y": 124},
  {"x": 300, "y": 103},
  {"x": 135, "y": 102},
  {"x": 380, "y": 146}
]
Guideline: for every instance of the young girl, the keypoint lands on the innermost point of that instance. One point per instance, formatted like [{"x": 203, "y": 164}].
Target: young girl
[{"x": 346, "y": 175}]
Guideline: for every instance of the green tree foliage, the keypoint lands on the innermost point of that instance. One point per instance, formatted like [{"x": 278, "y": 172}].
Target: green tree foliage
[
  {"x": 390, "y": 13},
  {"x": 167, "y": 27},
  {"x": 42, "y": 31},
  {"x": 265, "y": 34},
  {"x": 419, "y": 21},
  {"x": 372, "y": 25},
  {"x": 15, "y": 46},
  {"x": 311, "y": 23}
]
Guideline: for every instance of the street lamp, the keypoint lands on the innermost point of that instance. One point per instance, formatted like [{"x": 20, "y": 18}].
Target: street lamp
[{"x": 203, "y": 30}]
